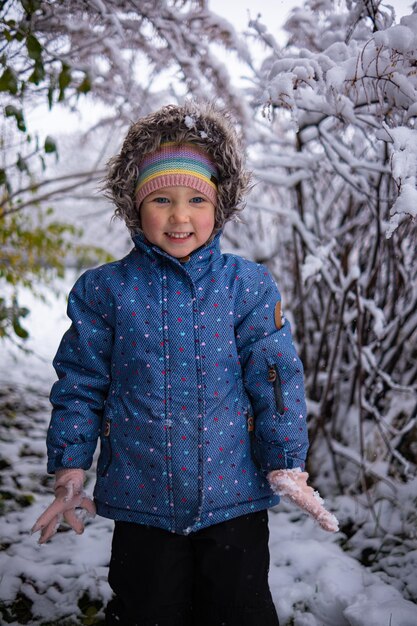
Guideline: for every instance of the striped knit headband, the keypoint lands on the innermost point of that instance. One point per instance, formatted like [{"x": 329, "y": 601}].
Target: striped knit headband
[{"x": 174, "y": 165}]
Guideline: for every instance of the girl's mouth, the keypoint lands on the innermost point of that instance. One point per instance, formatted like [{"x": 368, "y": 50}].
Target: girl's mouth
[{"x": 180, "y": 236}]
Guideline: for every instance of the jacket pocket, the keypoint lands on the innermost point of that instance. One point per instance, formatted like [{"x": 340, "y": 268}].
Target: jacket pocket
[
  {"x": 275, "y": 380},
  {"x": 107, "y": 447}
]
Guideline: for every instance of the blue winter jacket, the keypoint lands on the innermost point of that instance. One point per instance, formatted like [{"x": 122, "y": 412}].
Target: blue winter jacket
[{"x": 177, "y": 366}]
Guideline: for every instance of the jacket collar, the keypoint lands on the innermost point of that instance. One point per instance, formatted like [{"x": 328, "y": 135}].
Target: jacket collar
[{"x": 202, "y": 256}]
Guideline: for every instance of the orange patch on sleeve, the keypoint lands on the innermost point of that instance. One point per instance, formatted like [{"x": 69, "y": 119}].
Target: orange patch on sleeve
[{"x": 277, "y": 315}]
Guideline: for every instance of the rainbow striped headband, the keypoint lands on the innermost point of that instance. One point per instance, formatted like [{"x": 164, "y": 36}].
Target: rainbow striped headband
[{"x": 174, "y": 165}]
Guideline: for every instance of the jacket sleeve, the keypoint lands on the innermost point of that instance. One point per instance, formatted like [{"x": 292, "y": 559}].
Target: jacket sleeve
[
  {"x": 82, "y": 364},
  {"x": 273, "y": 378}
]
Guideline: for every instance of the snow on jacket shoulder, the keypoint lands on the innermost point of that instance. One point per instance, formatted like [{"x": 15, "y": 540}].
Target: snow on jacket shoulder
[{"x": 178, "y": 367}]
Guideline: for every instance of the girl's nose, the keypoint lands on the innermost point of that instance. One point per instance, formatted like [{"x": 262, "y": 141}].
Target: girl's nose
[{"x": 179, "y": 213}]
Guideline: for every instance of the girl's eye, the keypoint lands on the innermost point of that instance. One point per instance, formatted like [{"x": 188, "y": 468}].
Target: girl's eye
[
  {"x": 160, "y": 200},
  {"x": 197, "y": 200}
]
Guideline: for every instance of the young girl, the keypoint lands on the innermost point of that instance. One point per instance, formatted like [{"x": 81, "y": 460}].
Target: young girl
[{"x": 178, "y": 360}]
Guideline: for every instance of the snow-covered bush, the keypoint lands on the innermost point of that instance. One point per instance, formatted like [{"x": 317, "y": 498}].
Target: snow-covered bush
[{"x": 340, "y": 100}]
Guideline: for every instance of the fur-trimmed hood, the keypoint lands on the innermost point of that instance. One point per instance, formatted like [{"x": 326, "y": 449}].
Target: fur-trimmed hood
[{"x": 199, "y": 123}]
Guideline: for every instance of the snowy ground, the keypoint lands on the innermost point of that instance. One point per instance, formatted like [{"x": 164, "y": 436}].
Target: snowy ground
[{"x": 314, "y": 580}]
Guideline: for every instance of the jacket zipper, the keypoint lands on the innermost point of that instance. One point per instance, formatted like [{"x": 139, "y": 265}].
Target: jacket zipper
[
  {"x": 273, "y": 377},
  {"x": 106, "y": 434}
]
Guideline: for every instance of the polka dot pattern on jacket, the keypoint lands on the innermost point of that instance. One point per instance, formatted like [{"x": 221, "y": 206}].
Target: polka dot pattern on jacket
[{"x": 179, "y": 370}]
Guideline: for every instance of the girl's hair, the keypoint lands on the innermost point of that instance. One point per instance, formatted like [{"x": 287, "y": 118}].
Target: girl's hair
[{"x": 199, "y": 123}]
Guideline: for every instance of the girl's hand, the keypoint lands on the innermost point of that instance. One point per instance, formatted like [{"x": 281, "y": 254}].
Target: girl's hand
[
  {"x": 292, "y": 484},
  {"x": 69, "y": 495}
]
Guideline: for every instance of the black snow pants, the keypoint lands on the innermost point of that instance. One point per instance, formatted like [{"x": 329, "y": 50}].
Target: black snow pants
[{"x": 217, "y": 576}]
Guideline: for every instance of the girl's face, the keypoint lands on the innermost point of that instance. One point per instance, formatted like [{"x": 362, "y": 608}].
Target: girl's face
[{"x": 177, "y": 219}]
